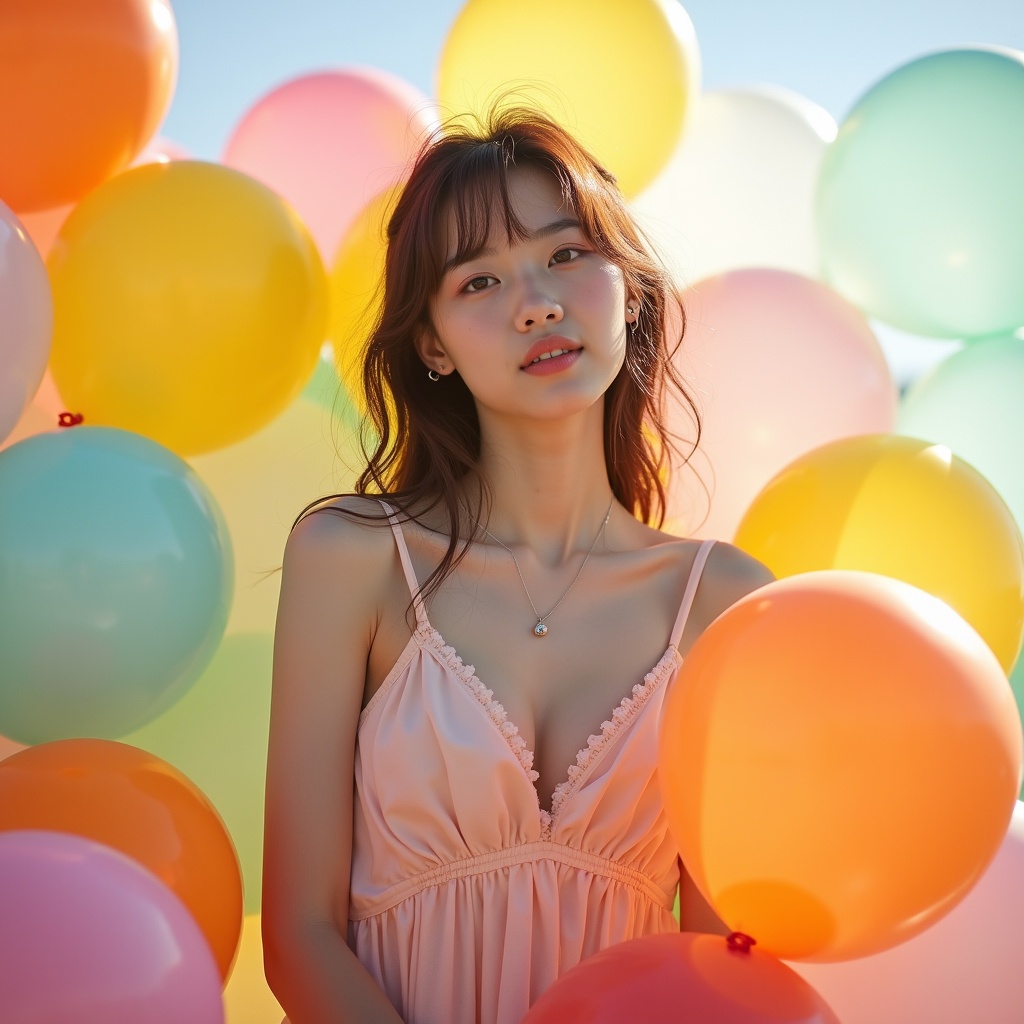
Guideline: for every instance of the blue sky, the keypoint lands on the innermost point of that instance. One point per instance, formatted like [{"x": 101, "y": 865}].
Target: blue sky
[{"x": 234, "y": 51}]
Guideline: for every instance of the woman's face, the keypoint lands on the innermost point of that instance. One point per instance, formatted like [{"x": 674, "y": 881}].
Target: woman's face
[{"x": 536, "y": 328}]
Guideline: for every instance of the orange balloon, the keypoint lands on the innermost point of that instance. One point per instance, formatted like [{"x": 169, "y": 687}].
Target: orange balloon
[
  {"x": 83, "y": 87},
  {"x": 840, "y": 758},
  {"x": 134, "y": 802}
]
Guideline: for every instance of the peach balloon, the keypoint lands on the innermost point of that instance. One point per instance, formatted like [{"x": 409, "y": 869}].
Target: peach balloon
[
  {"x": 9, "y": 747},
  {"x": 329, "y": 142},
  {"x": 43, "y": 226},
  {"x": 780, "y": 364},
  {"x": 840, "y": 757},
  {"x": 133, "y": 801},
  {"x": 82, "y": 89}
]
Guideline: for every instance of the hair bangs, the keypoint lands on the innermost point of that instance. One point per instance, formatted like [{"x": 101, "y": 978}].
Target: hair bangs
[{"x": 476, "y": 206}]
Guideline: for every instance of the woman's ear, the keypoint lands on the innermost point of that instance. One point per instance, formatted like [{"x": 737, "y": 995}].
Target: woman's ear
[
  {"x": 632, "y": 309},
  {"x": 432, "y": 353}
]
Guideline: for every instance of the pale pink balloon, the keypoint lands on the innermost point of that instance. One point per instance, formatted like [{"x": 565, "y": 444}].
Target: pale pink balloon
[
  {"x": 966, "y": 967},
  {"x": 89, "y": 935},
  {"x": 779, "y": 364},
  {"x": 26, "y": 319},
  {"x": 160, "y": 150},
  {"x": 329, "y": 142},
  {"x": 40, "y": 415}
]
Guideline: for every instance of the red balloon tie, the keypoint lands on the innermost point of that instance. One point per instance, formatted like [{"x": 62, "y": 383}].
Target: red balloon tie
[
  {"x": 69, "y": 419},
  {"x": 740, "y": 943}
]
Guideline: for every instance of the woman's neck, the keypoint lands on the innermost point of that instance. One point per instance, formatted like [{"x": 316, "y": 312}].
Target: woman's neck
[{"x": 548, "y": 481}]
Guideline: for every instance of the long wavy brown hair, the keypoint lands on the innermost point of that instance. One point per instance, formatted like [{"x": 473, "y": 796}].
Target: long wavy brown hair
[{"x": 421, "y": 438}]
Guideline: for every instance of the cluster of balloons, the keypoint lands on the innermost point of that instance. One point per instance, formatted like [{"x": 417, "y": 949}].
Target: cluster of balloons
[{"x": 203, "y": 319}]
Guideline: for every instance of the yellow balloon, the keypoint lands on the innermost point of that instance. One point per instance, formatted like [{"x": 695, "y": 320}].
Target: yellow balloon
[
  {"x": 619, "y": 74},
  {"x": 190, "y": 305},
  {"x": 247, "y": 996},
  {"x": 903, "y": 508},
  {"x": 262, "y": 483},
  {"x": 355, "y": 282}
]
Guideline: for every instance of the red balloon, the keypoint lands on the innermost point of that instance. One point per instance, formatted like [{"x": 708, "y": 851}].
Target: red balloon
[{"x": 681, "y": 978}]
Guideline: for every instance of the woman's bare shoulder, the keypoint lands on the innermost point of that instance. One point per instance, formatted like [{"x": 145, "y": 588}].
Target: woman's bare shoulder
[
  {"x": 730, "y": 574},
  {"x": 351, "y": 529}
]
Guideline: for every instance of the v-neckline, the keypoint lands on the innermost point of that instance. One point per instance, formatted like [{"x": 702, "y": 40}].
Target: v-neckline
[{"x": 628, "y": 708}]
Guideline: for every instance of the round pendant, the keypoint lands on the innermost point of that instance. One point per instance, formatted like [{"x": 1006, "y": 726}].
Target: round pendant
[{"x": 540, "y": 629}]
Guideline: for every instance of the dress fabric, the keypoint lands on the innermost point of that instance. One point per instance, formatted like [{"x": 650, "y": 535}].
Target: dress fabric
[{"x": 467, "y": 899}]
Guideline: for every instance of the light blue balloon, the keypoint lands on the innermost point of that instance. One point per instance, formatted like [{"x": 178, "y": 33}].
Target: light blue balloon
[{"x": 116, "y": 578}]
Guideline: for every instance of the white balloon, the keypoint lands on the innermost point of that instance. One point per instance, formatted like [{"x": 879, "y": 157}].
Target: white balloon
[
  {"x": 739, "y": 189},
  {"x": 26, "y": 320}
]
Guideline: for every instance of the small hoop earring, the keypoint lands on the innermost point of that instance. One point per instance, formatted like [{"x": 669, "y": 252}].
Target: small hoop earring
[{"x": 433, "y": 375}]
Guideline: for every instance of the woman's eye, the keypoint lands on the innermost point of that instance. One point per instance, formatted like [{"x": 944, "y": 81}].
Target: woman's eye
[
  {"x": 478, "y": 284},
  {"x": 566, "y": 255}
]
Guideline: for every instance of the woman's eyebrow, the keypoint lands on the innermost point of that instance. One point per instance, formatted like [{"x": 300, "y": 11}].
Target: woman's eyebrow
[{"x": 542, "y": 232}]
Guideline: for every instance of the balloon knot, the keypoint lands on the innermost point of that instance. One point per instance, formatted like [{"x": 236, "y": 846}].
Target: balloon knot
[
  {"x": 740, "y": 943},
  {"x": 69, "y": 419}
]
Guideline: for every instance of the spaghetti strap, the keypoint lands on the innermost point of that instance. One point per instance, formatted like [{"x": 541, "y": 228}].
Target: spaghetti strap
[
  {"x": 410, "y": 574},
  {"x": 691, "y": 589}
]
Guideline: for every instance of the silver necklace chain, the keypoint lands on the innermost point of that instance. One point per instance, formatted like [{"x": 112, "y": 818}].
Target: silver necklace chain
[{"x": 541, "y": 629}]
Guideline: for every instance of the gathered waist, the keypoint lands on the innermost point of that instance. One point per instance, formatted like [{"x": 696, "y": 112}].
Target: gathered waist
[{"x": 527, "y": 853}]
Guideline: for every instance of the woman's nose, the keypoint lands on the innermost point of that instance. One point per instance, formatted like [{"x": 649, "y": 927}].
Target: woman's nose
[{"x": 538, "y": 307}]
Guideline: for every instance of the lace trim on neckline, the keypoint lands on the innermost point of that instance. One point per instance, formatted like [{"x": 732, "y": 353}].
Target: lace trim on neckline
[
  {"x": 626, "y": 710},
  {"x": 495, "y": 711}
]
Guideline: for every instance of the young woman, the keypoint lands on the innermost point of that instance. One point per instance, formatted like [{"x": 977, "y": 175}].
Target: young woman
[{"x": 473, "y": 650}]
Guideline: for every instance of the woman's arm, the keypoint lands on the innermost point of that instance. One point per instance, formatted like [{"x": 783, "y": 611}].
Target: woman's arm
[
  {"x": 332, "y": 581},
  {"x": 695, "y": 913}
]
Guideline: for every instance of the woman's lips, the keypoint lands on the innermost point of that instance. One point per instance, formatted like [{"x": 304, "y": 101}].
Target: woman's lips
[{"x": 555, "y": 364}]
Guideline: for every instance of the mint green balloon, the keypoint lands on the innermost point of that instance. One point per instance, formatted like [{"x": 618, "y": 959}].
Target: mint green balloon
[
  {"x": 973, "y": 402},
  {"x": 920, "y": 200},
  {"x": 115, "y": 583},
  {"x": 1017, "y": 685},
  {"x": 217, "y": 736}
]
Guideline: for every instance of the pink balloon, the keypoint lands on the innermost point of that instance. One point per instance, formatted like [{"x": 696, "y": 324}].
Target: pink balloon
[
  {"x": 88, "y": 935},
  {"x": 966, "y": 967},
  {"x": 779, "y": 364},
  {"x": 26, "y": 320},
  {"x": 329, "y": 142}
]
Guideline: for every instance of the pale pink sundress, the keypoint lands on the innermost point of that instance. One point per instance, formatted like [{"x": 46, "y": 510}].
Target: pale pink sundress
[{"x": 467, "y": 898}]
